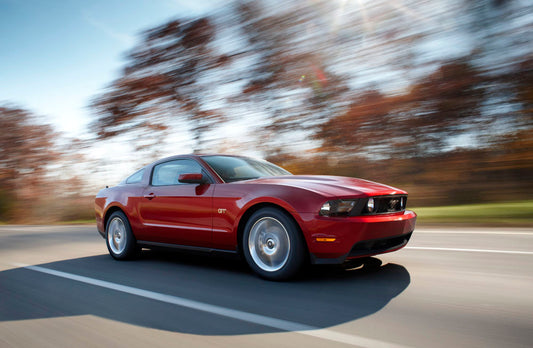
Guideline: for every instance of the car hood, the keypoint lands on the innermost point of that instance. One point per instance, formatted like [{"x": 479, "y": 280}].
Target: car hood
[{"x": 330, "y": 185}]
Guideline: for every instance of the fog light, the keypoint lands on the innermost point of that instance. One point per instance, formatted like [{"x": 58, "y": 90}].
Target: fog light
[
  {"x": 324, "y": 211},
  {"x": 370, "y": 205}
]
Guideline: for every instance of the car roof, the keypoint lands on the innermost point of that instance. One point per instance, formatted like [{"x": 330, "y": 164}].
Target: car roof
[{"x": 174, "y": 157}]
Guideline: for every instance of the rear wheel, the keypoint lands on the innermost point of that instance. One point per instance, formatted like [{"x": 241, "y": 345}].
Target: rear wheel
[
  {"x": 273, "y": 245},
  {"x": 119, "y": 239}
]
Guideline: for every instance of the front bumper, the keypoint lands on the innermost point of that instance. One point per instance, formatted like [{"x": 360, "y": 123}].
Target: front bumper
[{"x": 357, "y": 236}]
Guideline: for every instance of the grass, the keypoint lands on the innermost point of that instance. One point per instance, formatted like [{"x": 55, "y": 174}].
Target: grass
[
  {"x": 496, "y": 214},
  {"x": 77, "y": 222}
]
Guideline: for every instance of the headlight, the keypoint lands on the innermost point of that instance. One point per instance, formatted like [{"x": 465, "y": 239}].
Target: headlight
[
  {"x": 370, "y": 205},
  {"x": 338, "y": 207}
]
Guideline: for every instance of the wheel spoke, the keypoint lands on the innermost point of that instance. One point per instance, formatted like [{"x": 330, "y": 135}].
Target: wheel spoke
[
  {"x": 269, "y": 244},
  {"x": 116, "y": 235}
]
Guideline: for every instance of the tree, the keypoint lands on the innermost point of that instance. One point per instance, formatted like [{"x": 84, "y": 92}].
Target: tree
[
  {"x": 26, "y": 149},
  {"x": 162, "y": 84},
  {"x": 439, "y": 108},
  {"x": 177, "y": 76},
  {"x": 290, "y": 81}
]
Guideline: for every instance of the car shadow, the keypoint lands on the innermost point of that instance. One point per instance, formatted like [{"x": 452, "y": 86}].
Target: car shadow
[{"x": 323, "y": 296}]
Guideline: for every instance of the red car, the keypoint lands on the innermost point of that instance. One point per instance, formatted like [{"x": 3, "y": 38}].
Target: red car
[{"x": 234, "y": 204}]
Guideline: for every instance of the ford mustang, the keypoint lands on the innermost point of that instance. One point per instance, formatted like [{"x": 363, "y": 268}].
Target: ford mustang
[{"x": 276, "y": 220}]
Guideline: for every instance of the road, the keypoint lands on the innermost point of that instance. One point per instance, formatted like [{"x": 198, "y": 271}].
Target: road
[{"x": 450, "y": 287}]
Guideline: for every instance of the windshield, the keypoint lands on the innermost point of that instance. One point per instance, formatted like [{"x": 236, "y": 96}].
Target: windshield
[{"x": 241, "y": 168}]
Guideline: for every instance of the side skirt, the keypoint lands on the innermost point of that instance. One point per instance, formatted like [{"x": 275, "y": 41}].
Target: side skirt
[{"x": 148, "y": 244}]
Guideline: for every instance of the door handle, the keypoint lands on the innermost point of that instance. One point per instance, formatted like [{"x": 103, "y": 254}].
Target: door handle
[{"x": 149, "y": 196}]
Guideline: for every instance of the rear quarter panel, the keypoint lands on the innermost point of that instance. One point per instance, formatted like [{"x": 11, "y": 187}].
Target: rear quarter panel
[{"x": 123, "y": 197}]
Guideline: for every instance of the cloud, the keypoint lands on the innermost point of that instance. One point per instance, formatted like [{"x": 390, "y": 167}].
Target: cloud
[{"x": 125, "y": 39}]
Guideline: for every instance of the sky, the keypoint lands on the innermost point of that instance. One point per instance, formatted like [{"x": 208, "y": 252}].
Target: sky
[{"x": 56, "y": 55}]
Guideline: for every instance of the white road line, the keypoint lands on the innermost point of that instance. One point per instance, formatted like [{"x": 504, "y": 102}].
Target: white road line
[
  {"x": 472, "y": 232},
  {"x": 474, "y": 250},
  {"x": 223, "y": 311}
]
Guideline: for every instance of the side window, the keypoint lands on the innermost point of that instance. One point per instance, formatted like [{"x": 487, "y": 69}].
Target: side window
[
  {"x": 168, "y": 173},
  {"x": 135, "y": 177}
]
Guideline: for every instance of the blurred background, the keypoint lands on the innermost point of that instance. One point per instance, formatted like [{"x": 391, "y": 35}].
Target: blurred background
[{"x": 434, "y": 97}]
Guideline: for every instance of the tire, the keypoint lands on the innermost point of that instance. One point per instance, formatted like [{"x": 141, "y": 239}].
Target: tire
[
  {"x": 120, "y": 240},
  {"x": 273, "y": 245}
]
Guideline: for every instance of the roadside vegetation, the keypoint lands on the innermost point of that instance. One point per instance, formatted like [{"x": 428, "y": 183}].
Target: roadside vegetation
[{"x": 494, "y": 214}]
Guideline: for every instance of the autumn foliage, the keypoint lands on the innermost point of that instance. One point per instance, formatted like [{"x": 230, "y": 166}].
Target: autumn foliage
[{"x": 316, "y": 90}]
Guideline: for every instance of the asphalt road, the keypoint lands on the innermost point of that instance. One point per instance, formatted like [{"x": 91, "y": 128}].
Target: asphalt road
[{"x": 451, "y": 287}]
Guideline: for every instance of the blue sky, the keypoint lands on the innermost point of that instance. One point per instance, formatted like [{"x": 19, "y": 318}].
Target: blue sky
[{"x": 55, "y": 55}]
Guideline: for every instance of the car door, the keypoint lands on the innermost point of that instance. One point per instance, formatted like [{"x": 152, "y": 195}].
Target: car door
[{"x": 174, "y": 212}]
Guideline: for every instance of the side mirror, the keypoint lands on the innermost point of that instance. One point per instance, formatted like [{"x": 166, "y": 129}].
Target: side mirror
[{"x": 192, "y": 178}]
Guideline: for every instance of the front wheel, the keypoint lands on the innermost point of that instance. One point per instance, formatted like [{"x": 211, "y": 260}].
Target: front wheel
[
  {"x": 273, "y": 245},
  {"x": 119, "y": 239}
]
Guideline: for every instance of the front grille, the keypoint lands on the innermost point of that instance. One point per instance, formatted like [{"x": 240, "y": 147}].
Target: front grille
[
  {"x": 377, "y": 246},
  {"x": 387, "y": 204}
]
